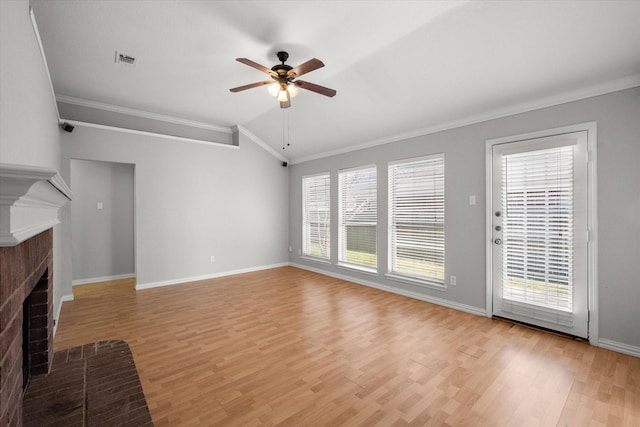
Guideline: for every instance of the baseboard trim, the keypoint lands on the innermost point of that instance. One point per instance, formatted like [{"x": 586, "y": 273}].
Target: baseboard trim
[
  {"x": 56, "y": 318},
  {"x": 102, "y": 279},
  {"x": 631, "y": 350},
  {"x": 426, "y": 298},
  {"x": 207, "y": 276}
]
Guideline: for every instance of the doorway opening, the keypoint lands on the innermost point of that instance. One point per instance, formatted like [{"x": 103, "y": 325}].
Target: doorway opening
[{"x": 103, "y": 221}]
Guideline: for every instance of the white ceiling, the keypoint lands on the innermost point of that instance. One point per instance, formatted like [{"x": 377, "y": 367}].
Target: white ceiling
[{"x": 400, "y": 68}]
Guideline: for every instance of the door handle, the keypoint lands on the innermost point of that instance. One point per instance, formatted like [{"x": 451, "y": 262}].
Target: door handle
[{"x": 498, "y": 241}]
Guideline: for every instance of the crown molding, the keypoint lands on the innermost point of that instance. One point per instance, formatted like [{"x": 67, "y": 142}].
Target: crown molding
[
  {"x": 260, "y": 142},
  {"x": 139, "y": 113},
  {"x": 563, "y": 98}
]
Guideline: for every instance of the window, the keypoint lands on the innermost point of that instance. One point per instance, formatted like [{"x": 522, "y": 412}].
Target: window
[
  {"x": 416, "y": 219},
  {"x": 357, "y": 211},
  {"x": 316, "y": 216}
]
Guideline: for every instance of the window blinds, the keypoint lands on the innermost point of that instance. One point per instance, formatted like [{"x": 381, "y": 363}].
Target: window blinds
[
  {"x": 357, "y": 211},
  {"x": 537, "y": 256},
  {"x": 316, "y": 216},
  {"x": 416, "y": 218}
]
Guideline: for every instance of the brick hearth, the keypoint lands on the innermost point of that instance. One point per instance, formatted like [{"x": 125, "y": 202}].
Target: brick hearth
[
  {"x": 25, "y": 269},
  {"x": 94, "y": 384}
]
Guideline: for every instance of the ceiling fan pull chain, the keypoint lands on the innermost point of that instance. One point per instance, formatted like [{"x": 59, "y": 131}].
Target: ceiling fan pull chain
[{"x": 287, "y": 112}]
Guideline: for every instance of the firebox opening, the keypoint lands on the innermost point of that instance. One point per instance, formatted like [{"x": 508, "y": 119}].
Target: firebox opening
[{"x": 26, "y": 339}]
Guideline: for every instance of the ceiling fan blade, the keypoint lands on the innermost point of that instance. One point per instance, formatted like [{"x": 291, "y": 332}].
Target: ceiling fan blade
[
  {"x": 250, "y": 86},
  {"x": 315, "y": 88},
  {"x": 287, "y": 103},
  {"x": 255, "y": 65},
  {"x": 310, "y": 65}
]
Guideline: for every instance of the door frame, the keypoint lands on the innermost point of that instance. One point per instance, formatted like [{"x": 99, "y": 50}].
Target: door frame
[{"x": 592, "y": 219}]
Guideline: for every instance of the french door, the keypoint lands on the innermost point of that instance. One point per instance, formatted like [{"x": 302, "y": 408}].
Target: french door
[{"x": 539, "y": 257}]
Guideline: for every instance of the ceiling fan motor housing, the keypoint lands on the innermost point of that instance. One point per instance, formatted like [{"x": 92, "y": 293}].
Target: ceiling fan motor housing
[
  {"x": 282, "y": 69},
  {"x": 283, "y": 56}
]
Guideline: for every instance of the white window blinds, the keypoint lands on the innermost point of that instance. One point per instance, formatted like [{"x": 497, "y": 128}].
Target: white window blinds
[
  {"x": 416, "y": 218},
  {"x": 537, "y": 199},
  {"x": 357, "y": 209},
  {"x": 316, "y": 216}
]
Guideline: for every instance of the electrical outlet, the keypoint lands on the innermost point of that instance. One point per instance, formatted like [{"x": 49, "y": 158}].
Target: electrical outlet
[
  {"x": 100, "y": 205},
  {"x": 213, "y": 259},
  {"x": 290, "y": 248},
  {"x": 452, "y": 280}
]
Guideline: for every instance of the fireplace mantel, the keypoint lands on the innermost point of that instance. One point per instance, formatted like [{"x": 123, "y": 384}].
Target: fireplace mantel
[{"x": 30, "y": 198}]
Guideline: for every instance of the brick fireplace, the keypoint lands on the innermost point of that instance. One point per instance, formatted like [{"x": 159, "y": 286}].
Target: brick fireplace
[{"x": 26, "y": 273}]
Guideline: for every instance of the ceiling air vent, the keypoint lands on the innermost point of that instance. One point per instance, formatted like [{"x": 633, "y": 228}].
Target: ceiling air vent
[{"x": 121, "y": 58}]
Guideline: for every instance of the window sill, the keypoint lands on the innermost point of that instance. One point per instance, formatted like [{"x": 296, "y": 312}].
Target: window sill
[
  {"x": 358, "y": 268},
  {"x": 314, "y": 259},
  {"x": 416, "y": 282}
]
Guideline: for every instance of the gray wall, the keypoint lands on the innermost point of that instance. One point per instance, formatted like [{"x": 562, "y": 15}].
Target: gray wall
[
  {"x": 618, "y": 177},
  {"x": 102, "y": 239},
  {"x": 29, "y": 133},
  {"x": 193, "y": 201}
]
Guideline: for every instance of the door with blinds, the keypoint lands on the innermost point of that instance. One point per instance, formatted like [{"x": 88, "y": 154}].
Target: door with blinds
[{"x": 539, "y": 232}]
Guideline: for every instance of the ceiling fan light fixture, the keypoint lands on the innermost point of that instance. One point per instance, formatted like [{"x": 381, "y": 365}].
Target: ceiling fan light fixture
[
  {"x": 293, "y": 90},
  {"x": 274, "y": 88},
  {"x": 282, "y": 96}
]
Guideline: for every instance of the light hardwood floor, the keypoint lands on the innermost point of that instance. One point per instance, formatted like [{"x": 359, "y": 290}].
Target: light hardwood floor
[{"x": 291, "y": 347}]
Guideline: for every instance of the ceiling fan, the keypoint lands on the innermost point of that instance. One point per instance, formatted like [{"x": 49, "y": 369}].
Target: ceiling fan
[{"x": 283, "y": 83}]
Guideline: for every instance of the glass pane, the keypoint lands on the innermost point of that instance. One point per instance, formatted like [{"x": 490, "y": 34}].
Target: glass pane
[
  {"x": 416, "y": 197},
  {"x": 316, "y": 216},
  {"x": 358, "y": 217},
  {"x": 537, "y": 202}
]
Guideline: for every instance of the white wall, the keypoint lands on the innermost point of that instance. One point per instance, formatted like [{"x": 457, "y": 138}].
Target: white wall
[
  {"x": 618, "y": 171},
  {"x": 193, "y": 201},
  {"x": 102, "y": 239},
  {"x": 29, "y": 133}
]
